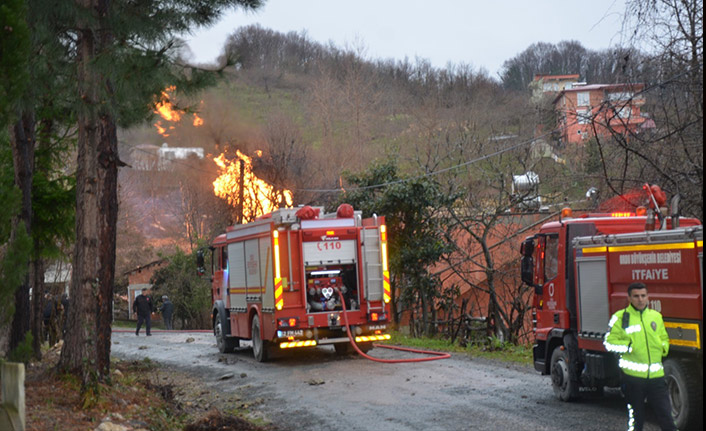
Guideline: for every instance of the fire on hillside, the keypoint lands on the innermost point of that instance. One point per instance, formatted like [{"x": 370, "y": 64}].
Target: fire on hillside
[
  {"x": 241, "y": 188},
  {"x": 250, "y": 195}
]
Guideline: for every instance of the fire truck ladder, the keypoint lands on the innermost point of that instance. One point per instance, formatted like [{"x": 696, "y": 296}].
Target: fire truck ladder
[{"x": 372, "y": 267}]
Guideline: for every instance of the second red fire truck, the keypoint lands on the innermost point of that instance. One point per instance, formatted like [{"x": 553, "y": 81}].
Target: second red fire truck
[
  {"x": 284, "y": 280},
  {"x": 580, "y": 268}
]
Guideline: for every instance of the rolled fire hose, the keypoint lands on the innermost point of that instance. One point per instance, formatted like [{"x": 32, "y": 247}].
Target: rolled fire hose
[{"x": 434, "y": 355}]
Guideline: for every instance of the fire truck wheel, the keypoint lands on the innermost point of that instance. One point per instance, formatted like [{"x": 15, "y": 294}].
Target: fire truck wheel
[
  {"x": 685, "y": 393},
  {"x": 564, "y": 388},
  {"x": 225, "y": 344},
  {"x": 260, "y": 347}
]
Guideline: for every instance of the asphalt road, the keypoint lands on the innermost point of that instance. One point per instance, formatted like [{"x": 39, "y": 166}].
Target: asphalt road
[{"x": 315, "y": 389}]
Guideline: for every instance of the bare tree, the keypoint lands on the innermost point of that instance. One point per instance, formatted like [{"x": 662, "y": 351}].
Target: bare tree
[
  {"x": 201, "y": 213},
  {"x": 285, "y": 161},
  {"x": 671, "y": 153}
]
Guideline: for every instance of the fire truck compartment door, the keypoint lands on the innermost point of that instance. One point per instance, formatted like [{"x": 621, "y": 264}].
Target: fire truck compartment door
[
  {"x": 236, "y": 281},
  {"x": 268, "y": 300},
  {"x": 372, "y": 261},
  {"x": 593, "y": 294},
  {"x": 252, "y": 268},
  {"x": 329, "y": 252}
]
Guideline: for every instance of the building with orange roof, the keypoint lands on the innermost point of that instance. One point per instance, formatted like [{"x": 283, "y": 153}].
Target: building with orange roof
[{"x": 586, "y": 111}]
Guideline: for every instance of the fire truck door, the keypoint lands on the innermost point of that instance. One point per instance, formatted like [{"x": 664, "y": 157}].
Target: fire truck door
[
  {"x": 372, "y": 265},
  {"x": 236, "y": 281}
]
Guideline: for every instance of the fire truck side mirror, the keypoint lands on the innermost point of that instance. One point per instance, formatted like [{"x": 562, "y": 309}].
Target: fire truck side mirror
[
  {"x": 527, "y": 270},
  {"x": 527, "y": 265},
  {"x": 527, "y": 247},
  {"x": 200, "y": 262}
]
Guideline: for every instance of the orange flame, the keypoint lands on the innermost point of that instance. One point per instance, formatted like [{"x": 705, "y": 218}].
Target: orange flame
[
  {"x": 166, "y": 109},
  {"x": 162, "y": 131},
  {"x": 198, "y": 121},
  {"x": 258, "y": 196}
]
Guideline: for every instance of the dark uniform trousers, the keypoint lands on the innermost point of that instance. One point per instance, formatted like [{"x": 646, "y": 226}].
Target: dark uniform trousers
[
  {"x": 655, "y": 390},
  {"x": 147, "y": 319}
]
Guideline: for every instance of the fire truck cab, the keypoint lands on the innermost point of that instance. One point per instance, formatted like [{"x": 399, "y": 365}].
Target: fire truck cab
[
  {"x": 580, "y": 269},
  {"x": 285, "y": 280}
]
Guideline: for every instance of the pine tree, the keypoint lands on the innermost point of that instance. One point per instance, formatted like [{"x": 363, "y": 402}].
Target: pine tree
[
  {"x": 126, "y": 52},
  {"x": 14, "y": 242}
]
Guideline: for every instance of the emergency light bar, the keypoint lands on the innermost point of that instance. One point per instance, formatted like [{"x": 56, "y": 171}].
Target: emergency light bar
[{"x": 622, "y": 214}]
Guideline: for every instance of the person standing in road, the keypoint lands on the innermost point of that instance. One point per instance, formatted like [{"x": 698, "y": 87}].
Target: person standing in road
[
  {"x": 144, "y": 309},
  {"x": 167, "y": 310},
  {"x": 638, "y": 335},
  {"x": 49, "y": 316}
]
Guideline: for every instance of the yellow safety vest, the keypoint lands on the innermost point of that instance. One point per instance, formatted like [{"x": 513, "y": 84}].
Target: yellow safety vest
[{"x": 640, "y": 339}]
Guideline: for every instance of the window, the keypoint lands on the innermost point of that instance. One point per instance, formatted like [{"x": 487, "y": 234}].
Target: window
[
  {"x": 214, "y": 263},
  {"x": 551, "y": 258},
  {"x": 224, "y": 258},
  {"x": 624, "y": 112},
  {"x": 583, "y": 98},
  {"x": 623, "y": 95},
  {"x": 583, "y": 116},
  {"x": 551, "y": 86}
]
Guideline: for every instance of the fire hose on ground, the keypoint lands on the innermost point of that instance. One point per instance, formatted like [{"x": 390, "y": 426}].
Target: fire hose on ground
[{"x": 434, "y": 355}]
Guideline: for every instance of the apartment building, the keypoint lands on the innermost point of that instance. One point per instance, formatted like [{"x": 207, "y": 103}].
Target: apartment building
[{"x": 588, "y": 110}]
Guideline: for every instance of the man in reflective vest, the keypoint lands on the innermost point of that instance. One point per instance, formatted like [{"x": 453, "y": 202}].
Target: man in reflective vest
[{"x": 638, "y": 335}]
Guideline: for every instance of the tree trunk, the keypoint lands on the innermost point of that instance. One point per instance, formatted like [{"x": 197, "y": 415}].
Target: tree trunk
[
  {"x": 425, "y": 316},
  {"x": 79, "y": 343},
  {"x": 108, "y": 182},
  {"x": 83, "y": 291},
  {"x": 91, "y": 291},
  {"x": 23, "y": 139},
  {"x": 37, "y": 283}
]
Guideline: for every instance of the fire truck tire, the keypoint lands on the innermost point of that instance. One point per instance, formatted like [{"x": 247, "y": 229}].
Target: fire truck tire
[
  {"x": 564, "y": 388},
  {"x": 260, "y": 348},
  {"x": 685, "y": 393},
  {"x": 225, "y": 344}
]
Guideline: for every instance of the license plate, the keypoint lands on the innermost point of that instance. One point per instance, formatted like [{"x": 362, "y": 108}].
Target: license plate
[{"x": 297, "y": 333}]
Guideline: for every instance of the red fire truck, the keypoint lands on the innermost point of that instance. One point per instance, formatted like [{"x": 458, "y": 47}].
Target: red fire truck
[
  {"x": 580, "y": 269},
  {"x": 284, "y": 279}
]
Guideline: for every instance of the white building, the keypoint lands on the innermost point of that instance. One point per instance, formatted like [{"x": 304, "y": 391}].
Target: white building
[
  {"x": 150, "y": 157},
  {"x": 168, "y": 155}
]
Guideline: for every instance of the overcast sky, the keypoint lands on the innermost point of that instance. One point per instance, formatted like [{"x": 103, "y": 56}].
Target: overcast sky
[{"x": 480, "y": 33}]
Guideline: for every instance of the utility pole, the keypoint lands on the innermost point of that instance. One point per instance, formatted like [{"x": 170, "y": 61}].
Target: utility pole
[{"x": 241, "y": 191}]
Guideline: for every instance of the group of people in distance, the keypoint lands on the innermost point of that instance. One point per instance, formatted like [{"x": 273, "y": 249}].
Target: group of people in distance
[{"x": 143, "y": 306}]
